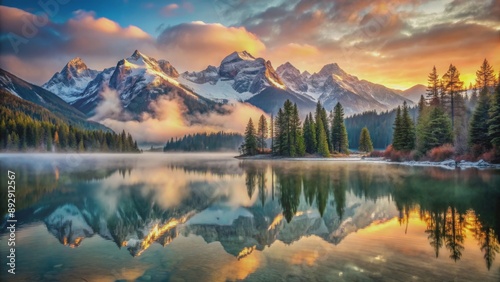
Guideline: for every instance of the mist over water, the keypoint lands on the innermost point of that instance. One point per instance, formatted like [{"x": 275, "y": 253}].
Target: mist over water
[{"x": 170, "y": 216}]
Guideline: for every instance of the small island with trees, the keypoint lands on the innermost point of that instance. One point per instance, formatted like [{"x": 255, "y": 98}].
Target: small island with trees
[{"x": 446, "y": 124}]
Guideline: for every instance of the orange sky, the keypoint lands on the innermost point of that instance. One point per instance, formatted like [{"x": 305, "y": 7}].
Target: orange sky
[{"x": 395, "y": 43}]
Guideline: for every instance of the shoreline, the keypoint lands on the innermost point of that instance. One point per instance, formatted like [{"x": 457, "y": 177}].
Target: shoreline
[{"x": 447, "y": 164}]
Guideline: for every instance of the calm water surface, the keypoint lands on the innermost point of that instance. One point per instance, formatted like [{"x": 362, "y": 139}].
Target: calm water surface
[{"x": 210, "y": 217}]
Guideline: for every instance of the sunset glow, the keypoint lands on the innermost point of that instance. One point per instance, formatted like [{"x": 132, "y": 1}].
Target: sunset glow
[{"x": 393, "y": 43}]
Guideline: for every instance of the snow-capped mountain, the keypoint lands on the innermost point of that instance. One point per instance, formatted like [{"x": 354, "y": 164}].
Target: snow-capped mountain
[
  {"x": 138, "y": 80},
  {"x": 239, "y": 77},
  {"x": 70, "y": 82},
  {"x": 292, "y": 77},
  {"x": 242, "y": 77},
  {"x": 90, "y": 98},
  {"x": 13, "y": 85},
  {"x": 332, "y": 84}
]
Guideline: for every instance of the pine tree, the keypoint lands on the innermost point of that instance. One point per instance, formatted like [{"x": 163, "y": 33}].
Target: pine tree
[
  {"x": 407, "y": 130},
  {"x": 485, "y": 76},
  {"x": 321, "y": 114},
  {"x": 479, "y": 139},
  {"x": 310, "y": 134},
  {"x": 250, "y": 145},
  {"x": 365, "y": 141},
  {"x": 439, "y": 131},
  {"x": 288, "y": 129},
  {"x": 421, "y": 105},
  {"x": 262, "y": 132},
  {"x": 305, "y": 132},
  {"x": 444, "y": 100},
  {"x": 272, "y": 134},
  {"x": 322, "y": 145},
  {"x": 279, "y": 138},
  {"x": 453, "y": 86},
  {"x": 326, "y": 125},
  {"x": 433, "y": 88},
  {"x": 494, "y": 120},
  {"x": 397, "y": 139},
  {"x": 298, "y": 137},
  {"x": 339, "y": 132}
]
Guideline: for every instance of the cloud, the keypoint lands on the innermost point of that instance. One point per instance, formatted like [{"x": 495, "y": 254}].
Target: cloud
[
  {"x": 169, "y": 119},
  {"x": 195, "y": 45},
  {"x": 390, "y": 42},
  {"x": 169, "y": 9},
  {"x": 110, "y": 106},
  {"x": 28, "y": 44}
]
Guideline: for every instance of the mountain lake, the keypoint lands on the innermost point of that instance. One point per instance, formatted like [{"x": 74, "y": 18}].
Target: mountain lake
[{"x": 211, "y": 217}]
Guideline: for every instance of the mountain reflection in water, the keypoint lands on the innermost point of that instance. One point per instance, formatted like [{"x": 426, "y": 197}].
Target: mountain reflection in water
[{"x": 247, "y": 206}]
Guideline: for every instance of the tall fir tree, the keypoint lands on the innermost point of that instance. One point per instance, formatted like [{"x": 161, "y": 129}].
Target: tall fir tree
[
  {"x": 452, "y": 87},
  {"x": 485, "y": 76},
  {"x": 339, "y": 132},
  {"x": 479, "y": 140},
  {"x": 305, "y": 132},
  {"x": 250, "y": 143},
  {"x": 288, "y": 129},
  {"x": 407, "y": 130},
  {"x": 321, "y": 114},
  {"x": 310, "y": 134},
  {"x": 272, "y": 133},
  {"x": 397, "y": 139},
  {"x": 289, "y": 137},
  {"x": 326, "y": 125},
  {"x": 434, "y": 130},
  {"x": 279, "y": 138},
  {"x": 298, "y": 137},
  {"x": 421, "y": 105},
  {"x": 365, "y": 141},
  {"x": 262, "y": 132},
  {"x": 323, "y": 143},
  {"x": 433, "y": 87},
  {"x": 494, "y": 121}
]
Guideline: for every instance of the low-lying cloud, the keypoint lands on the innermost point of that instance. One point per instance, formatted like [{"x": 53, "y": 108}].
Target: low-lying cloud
[{"x": 169, "y": 119}]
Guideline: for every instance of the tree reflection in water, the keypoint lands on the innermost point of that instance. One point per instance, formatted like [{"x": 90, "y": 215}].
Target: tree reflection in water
[
  {"x": 448, "y": 201},
  {"x": 452, "y": 204}
]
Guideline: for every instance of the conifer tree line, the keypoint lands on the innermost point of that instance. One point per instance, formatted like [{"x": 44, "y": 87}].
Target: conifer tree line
[
  {"x": 379, "y": 124},
  {"x": 36, "y": 129},
  {"x": 219, "y": 141},
  {"x": 320, "y": 133},
  {"x": 448, "y": 116}
]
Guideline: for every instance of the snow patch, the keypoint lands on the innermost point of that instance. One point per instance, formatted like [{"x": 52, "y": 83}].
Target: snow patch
[{"x": 222, "y": 90}]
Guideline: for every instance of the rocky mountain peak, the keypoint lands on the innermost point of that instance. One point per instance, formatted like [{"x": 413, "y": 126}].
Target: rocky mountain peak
[
  {"x": 76, "y": 62},
  {"x": 136, "y": 55},
  {"x": 330, "y": 69},
  {"x": 288, "y": 68},
  {"x": 238, "y": 56}
]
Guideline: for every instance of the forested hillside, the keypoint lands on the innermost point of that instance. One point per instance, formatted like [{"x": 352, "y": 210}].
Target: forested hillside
[
  {"x": 18, "y": 88},
  {"x": 219, "y": 141},
  {"x": 25, "y": 126}
]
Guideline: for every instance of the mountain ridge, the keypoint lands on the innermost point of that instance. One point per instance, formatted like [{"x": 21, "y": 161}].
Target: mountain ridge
[
  {"x": 240, "y": 77},
  {"x": 22, "y": 89}
]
